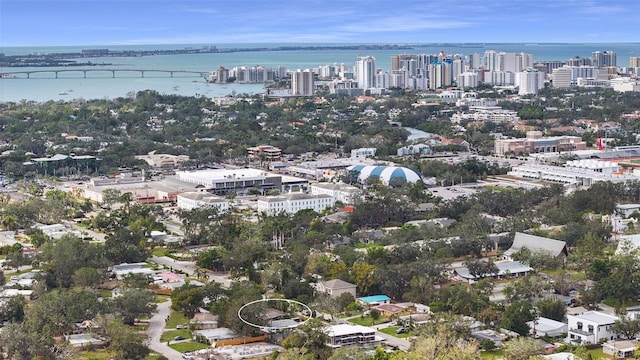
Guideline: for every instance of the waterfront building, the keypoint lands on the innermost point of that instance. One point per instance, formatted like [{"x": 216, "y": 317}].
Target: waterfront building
[
  {"x": 634, "y": 61},
  {"x": 529, "y": 81},
  {"x": 403, "y": 61},
  {"x": 578, "y": 61},
  {"x": 604, "y": 58},
  {"x": 302, "y": 83},
  {"x": 365, "y": 71}
]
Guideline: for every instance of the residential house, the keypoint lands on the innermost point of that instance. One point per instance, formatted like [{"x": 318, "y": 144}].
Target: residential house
[
  {"x": 505, "y": 269},
  {"x": 590, "y": 327},
  {"x": 336, "y": 287},
  {"x": 620, "y": 349},
  {"x": 84, "y": 340},
  {"x": 375, "y": 300},
  {"x": 343, "y": 335},
  {"x": 547, "y": 327}
]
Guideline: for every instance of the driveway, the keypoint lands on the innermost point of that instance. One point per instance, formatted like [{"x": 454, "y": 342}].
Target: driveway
[{"x": 155, "y": 330}]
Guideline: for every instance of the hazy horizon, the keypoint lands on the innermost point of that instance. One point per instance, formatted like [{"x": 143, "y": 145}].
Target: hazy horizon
[{"x": 29, "y": 23}]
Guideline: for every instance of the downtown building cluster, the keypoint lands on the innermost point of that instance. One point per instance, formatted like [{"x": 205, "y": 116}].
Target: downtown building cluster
[{"x": 515, "y": 70}]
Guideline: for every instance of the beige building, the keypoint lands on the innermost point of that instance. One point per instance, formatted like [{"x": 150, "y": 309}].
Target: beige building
[
  {"x": 336, "y": 287},
  {"x": 535, "y": 143},
  {"x": 165, "y": 161},
  {"x": 267, "y": 152}
]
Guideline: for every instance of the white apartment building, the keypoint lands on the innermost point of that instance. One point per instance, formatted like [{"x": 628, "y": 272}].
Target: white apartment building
[
  {"x": 302, "y": 82},
  {"x": 529, "y": 81},
  {"x": 344, "y": 193},
  {"x": 192, "y": 200},
  {"x": 468, "y": 79},
  {"x": 294, "y": 202},
  {"x": 499, "y": 78},
  {"x": 365, "y": 70},
  {"x": 591, "y": 326}
]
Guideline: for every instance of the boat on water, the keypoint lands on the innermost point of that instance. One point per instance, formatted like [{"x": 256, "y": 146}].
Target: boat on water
[{"x": 63, "y": 93}]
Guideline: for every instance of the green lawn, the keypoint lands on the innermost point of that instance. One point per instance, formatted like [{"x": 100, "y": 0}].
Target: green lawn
[
  {"x": 161, "y": 252},
  {"x": 105, "y": 293},
  {"x": 391, "y": 330},
  {"x": 162, "y": 298},
  {"x": 176, "y": 319},
  {"x": 492, "y": 355},
  {"x": 170, "y": 334},
  {"x": 188, "y": 346},
  {"x": 368, "y": 320},
  {"x": 102, "y": 354},
  {"x": 614, "y": 302}
]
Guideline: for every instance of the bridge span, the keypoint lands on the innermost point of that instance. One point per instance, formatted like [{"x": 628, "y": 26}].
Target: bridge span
[{"x": 56, "y": 72}]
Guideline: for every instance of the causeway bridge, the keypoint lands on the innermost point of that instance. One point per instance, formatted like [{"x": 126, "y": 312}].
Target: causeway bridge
[{"x": 112, "y": 72}]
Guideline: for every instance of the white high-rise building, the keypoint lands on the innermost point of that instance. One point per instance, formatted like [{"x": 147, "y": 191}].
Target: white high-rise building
[
  {"x": 491, "y": 60},
  {"x": 457, "y": 67},
  {"x": 468, "y": 79},
  {"x": 561, "y": 77},
  {"x": 529, "y": 81},
  {"x": 604, "y": 58},
  {"x": 499, "y": 78},
  {"x": 365, "y": 70},
  {"x": 302, "y": 83}
]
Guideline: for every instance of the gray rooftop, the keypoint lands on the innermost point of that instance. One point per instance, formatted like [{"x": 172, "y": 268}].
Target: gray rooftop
[{"x": 536, "y": 243}]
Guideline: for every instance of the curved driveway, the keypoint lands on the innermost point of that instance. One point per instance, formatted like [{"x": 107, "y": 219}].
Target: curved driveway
[{"x": 155, "y": 330}]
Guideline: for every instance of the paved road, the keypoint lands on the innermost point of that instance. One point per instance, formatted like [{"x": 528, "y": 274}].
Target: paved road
[
  {"x": 189, "y": 267},
  {"x": 156, "y": 327}
]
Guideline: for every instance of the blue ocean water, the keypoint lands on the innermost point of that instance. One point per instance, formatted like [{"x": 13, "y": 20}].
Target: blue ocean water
[{"x": 44, "y": 87}]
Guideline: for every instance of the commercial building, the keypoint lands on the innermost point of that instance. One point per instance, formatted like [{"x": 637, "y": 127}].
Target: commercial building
[
  {"x": 221, "y": 181},
  {"x": 569, "y": 176},
  {"x": 386, "y": 174},
  {"x": 363, "y": 153},
  {"x": 590, "y": 327},
  {"x": 294, "y": 202},
  {"x": 468, "y": 79},
  {"x": 266, "y": 153},
  {"x": 165, "y": 161},
  {"x": 302, "y": 82},
  {"x": 535, "y": 143}
]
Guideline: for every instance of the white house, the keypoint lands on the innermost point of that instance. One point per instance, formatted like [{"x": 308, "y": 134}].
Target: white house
[
  {"x": 591, "y": 326},
  {"x": 294, "y": 202},
  {"x": 626, "y": 210},
  {"x": 352, "y": 335},
  {"x": 347, "y": 194}
]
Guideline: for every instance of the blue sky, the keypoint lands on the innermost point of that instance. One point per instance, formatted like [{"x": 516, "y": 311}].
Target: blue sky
[{"x": 133, "y": 22}]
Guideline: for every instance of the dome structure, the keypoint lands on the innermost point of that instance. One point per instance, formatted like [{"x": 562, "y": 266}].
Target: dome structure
[{"x": 385, "y": 173}]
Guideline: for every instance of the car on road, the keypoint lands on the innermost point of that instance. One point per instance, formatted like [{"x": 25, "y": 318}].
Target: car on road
[
  {"x": 181, "y": 326},
  {"x": 177, "y": 338}
]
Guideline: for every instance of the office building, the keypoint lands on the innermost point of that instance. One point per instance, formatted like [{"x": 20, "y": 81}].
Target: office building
[
  {"x": 402, "y": 61},
  {"x": 294, "y": 202},
  {"x": 365, "y": 71},
  {"x": 561, "y": 77},
  {"x": 535, "y": 143},
  {"x": 302, "y": 83},
  {"x": 634, "y": 61},
  {"x": 578, "y": 61}
]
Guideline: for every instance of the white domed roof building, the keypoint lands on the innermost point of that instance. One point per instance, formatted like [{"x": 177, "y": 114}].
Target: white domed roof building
[{"x": 385, "y": 173}]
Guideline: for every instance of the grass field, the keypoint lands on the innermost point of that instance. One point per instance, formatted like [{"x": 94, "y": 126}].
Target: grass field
[
  {"x": 176, "y": 319},
  {"x": 492, "y": 355},
  {"x": 368, "y": 320},
  {"x": 170, "y": 334},
  {"x": 391, "y": 330},
  {"x": 188, "y": 346}
]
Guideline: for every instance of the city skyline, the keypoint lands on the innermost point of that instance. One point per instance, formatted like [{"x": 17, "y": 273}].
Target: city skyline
[{"x": 141, "y": 22}]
